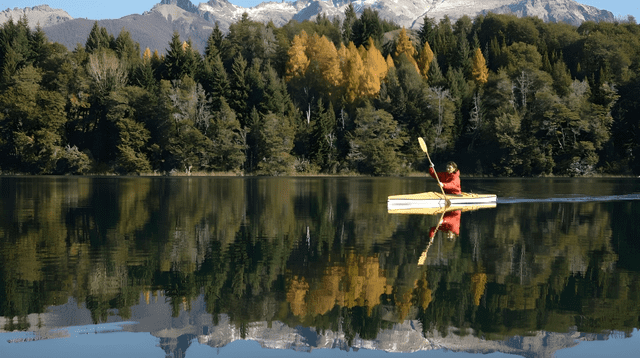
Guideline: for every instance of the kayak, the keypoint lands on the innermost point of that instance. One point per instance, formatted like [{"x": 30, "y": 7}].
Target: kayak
[
  {"x": 433, "y": 200},
  {"x": 394, "y": 209}
]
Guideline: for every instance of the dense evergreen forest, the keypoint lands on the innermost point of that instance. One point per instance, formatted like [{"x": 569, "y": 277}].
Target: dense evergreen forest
[{"x": 500, "y": 95}]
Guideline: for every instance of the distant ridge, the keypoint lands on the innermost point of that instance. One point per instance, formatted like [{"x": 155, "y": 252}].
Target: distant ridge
[
  {"x": 41, "y": 14},
  {"x": 155, "y": 27}
]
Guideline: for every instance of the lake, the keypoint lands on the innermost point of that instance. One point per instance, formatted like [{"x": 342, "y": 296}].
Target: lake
[{"x": 261, "y": 266}]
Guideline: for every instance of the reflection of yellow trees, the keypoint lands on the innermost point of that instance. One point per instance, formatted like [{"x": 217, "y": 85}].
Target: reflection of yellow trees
[
  {"x": 423, "y": 293},
  {"x": 298, "y": 288},
  {"x": 478, "y": 283},
  {"x": 359, "y": 281}
]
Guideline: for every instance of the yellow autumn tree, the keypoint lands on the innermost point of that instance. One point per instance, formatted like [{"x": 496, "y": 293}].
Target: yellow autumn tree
[
  {"x": 405, "y": 46},
  {"x": 375, "y": 69},
  {"x": 352, "y": 71},
  {"x": 375, "y": 60},
  {"x": 479, "y": 72},
  {"x": 298, "y": 61},
  {"x": 323, "y": 70},
  {"x": 425, "y": 59},
  {"x": 146, "y": 56},
  {"x": 390, "y": 62}
]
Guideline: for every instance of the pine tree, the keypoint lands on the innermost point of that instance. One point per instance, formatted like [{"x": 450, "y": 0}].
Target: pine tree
[
  {"x": 228, "y": 140},
  {"x": 436, "y": 79},
  {"x": 214, "y": 43},
  {"x": 174, "y": 59},
  {"x": 324, "y": 138},
  {"x": 98, "y": 39},
  {"x": 239, "y": 90}
]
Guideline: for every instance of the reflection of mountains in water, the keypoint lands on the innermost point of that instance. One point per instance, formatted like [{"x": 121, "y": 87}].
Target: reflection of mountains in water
[
  {"x": 177, "y": 334},
  {"x": 569, "y": 199}
]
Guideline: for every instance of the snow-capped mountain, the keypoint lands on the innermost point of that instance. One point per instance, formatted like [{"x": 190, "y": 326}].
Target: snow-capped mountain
[
  {"x": 155, "y": 27},
  {"x": 41, "y": 15},
  {"x": 407, "y": 13}
]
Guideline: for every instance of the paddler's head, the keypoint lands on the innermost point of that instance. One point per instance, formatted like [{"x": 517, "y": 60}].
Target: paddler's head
[
  {"x": 451, "y": 236},
  {"x": 452, "y": 167}
]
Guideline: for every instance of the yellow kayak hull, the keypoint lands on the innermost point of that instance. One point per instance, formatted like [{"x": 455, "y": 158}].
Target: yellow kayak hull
[{"x": 433, "y": 202}]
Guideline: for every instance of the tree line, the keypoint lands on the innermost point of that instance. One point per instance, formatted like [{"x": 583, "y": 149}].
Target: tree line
[{"x": 500, "y": 95}]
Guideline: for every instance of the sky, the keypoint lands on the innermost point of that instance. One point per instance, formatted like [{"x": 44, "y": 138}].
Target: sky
[{"x": 114, "y": 9}]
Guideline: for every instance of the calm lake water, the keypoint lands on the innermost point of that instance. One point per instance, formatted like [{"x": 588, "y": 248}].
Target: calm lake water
[{"x": 197, "y": 267}]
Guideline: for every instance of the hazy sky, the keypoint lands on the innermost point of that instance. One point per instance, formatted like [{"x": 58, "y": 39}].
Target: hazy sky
[{"x": 113, "y": 9}]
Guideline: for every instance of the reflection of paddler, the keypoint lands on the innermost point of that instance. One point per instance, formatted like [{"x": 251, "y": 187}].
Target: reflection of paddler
[{"x": 450, "y": 223}]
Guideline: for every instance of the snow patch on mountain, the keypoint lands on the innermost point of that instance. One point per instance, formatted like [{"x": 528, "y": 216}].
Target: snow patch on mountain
[{"x": 41, "y": 15}]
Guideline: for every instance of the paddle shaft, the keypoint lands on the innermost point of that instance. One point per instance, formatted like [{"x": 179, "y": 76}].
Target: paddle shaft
[
  {"x": 423, "y": 256},
  {"x": 423, "y": 146}
]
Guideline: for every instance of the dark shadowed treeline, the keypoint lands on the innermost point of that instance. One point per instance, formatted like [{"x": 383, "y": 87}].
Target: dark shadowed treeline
[{"x": 499, "y": 94}]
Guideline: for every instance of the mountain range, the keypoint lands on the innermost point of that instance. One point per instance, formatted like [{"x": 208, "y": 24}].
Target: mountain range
[{"x": 155, "y": 27}]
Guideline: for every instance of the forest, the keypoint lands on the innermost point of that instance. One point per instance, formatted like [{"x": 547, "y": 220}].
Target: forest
[{"x": 498, "y": 94}]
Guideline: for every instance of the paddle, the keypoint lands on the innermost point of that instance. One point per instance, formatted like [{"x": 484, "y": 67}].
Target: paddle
[
  {"x": 423, "y": 146},
  {"x": 423, "y": 256}
]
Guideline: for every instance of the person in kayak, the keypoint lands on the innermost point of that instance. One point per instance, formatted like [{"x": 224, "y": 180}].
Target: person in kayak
[{"x": 450, "y": 180}]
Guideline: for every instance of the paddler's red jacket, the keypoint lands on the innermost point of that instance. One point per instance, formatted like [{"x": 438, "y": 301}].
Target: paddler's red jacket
[
  {"x": 450, "y": 222},
  {"x": 450, "y": 182}
]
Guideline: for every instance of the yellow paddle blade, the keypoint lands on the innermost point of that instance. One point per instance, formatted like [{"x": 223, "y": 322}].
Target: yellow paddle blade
[{"x": 423, "y": 145}]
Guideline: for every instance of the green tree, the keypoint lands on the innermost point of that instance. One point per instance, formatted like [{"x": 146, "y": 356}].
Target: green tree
[
  {"x": 132, "y": 135},
  {"x": 373, "y": 147},
  {"x": 324, "y": 138},
  {"x": 181, "y": 59},
  {"x": 31, "y": 124},
  {"x": 99, "y": 39},
  {"x": 369, "y": 25},
  {"x": 275, "y": 140},
  {"x": 229, "y": 140},
  {"x": 239, "y": 90}
]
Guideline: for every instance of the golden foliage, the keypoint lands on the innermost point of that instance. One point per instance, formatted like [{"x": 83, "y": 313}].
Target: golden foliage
[
  {"x": 324, "y": 60},
  {"x": 357, "y": 282},
  {"x": 425, "y": 59},
  {"x": 480, "y": 72},
  {"x": 298, "y": 288},
  {"x": 478, "y": 283},
  {"x": 146, "y": 56},
  {"x": 423, "y": 293},
  {"x": 405, "y": 46},
  {"x": 390, "y": 62},
  {"x": 352, "y": 71},
  {"x": 298, "y": 60}
]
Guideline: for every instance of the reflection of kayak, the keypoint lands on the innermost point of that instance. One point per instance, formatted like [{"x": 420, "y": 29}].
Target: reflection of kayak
[{"x": 436, "y": 202}]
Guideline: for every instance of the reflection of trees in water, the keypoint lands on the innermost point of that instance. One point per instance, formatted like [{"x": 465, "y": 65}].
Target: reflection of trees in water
[{"x": 309, "y": 252}]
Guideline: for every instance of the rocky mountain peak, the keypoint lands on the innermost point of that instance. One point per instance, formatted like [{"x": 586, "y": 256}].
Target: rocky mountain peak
[
  {"x": 186, "y": 5},
  {"x": 42, "y": 15}
]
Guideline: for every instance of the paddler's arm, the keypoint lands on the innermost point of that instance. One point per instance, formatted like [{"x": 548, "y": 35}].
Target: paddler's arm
[{"x": 432, "y": 172}]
